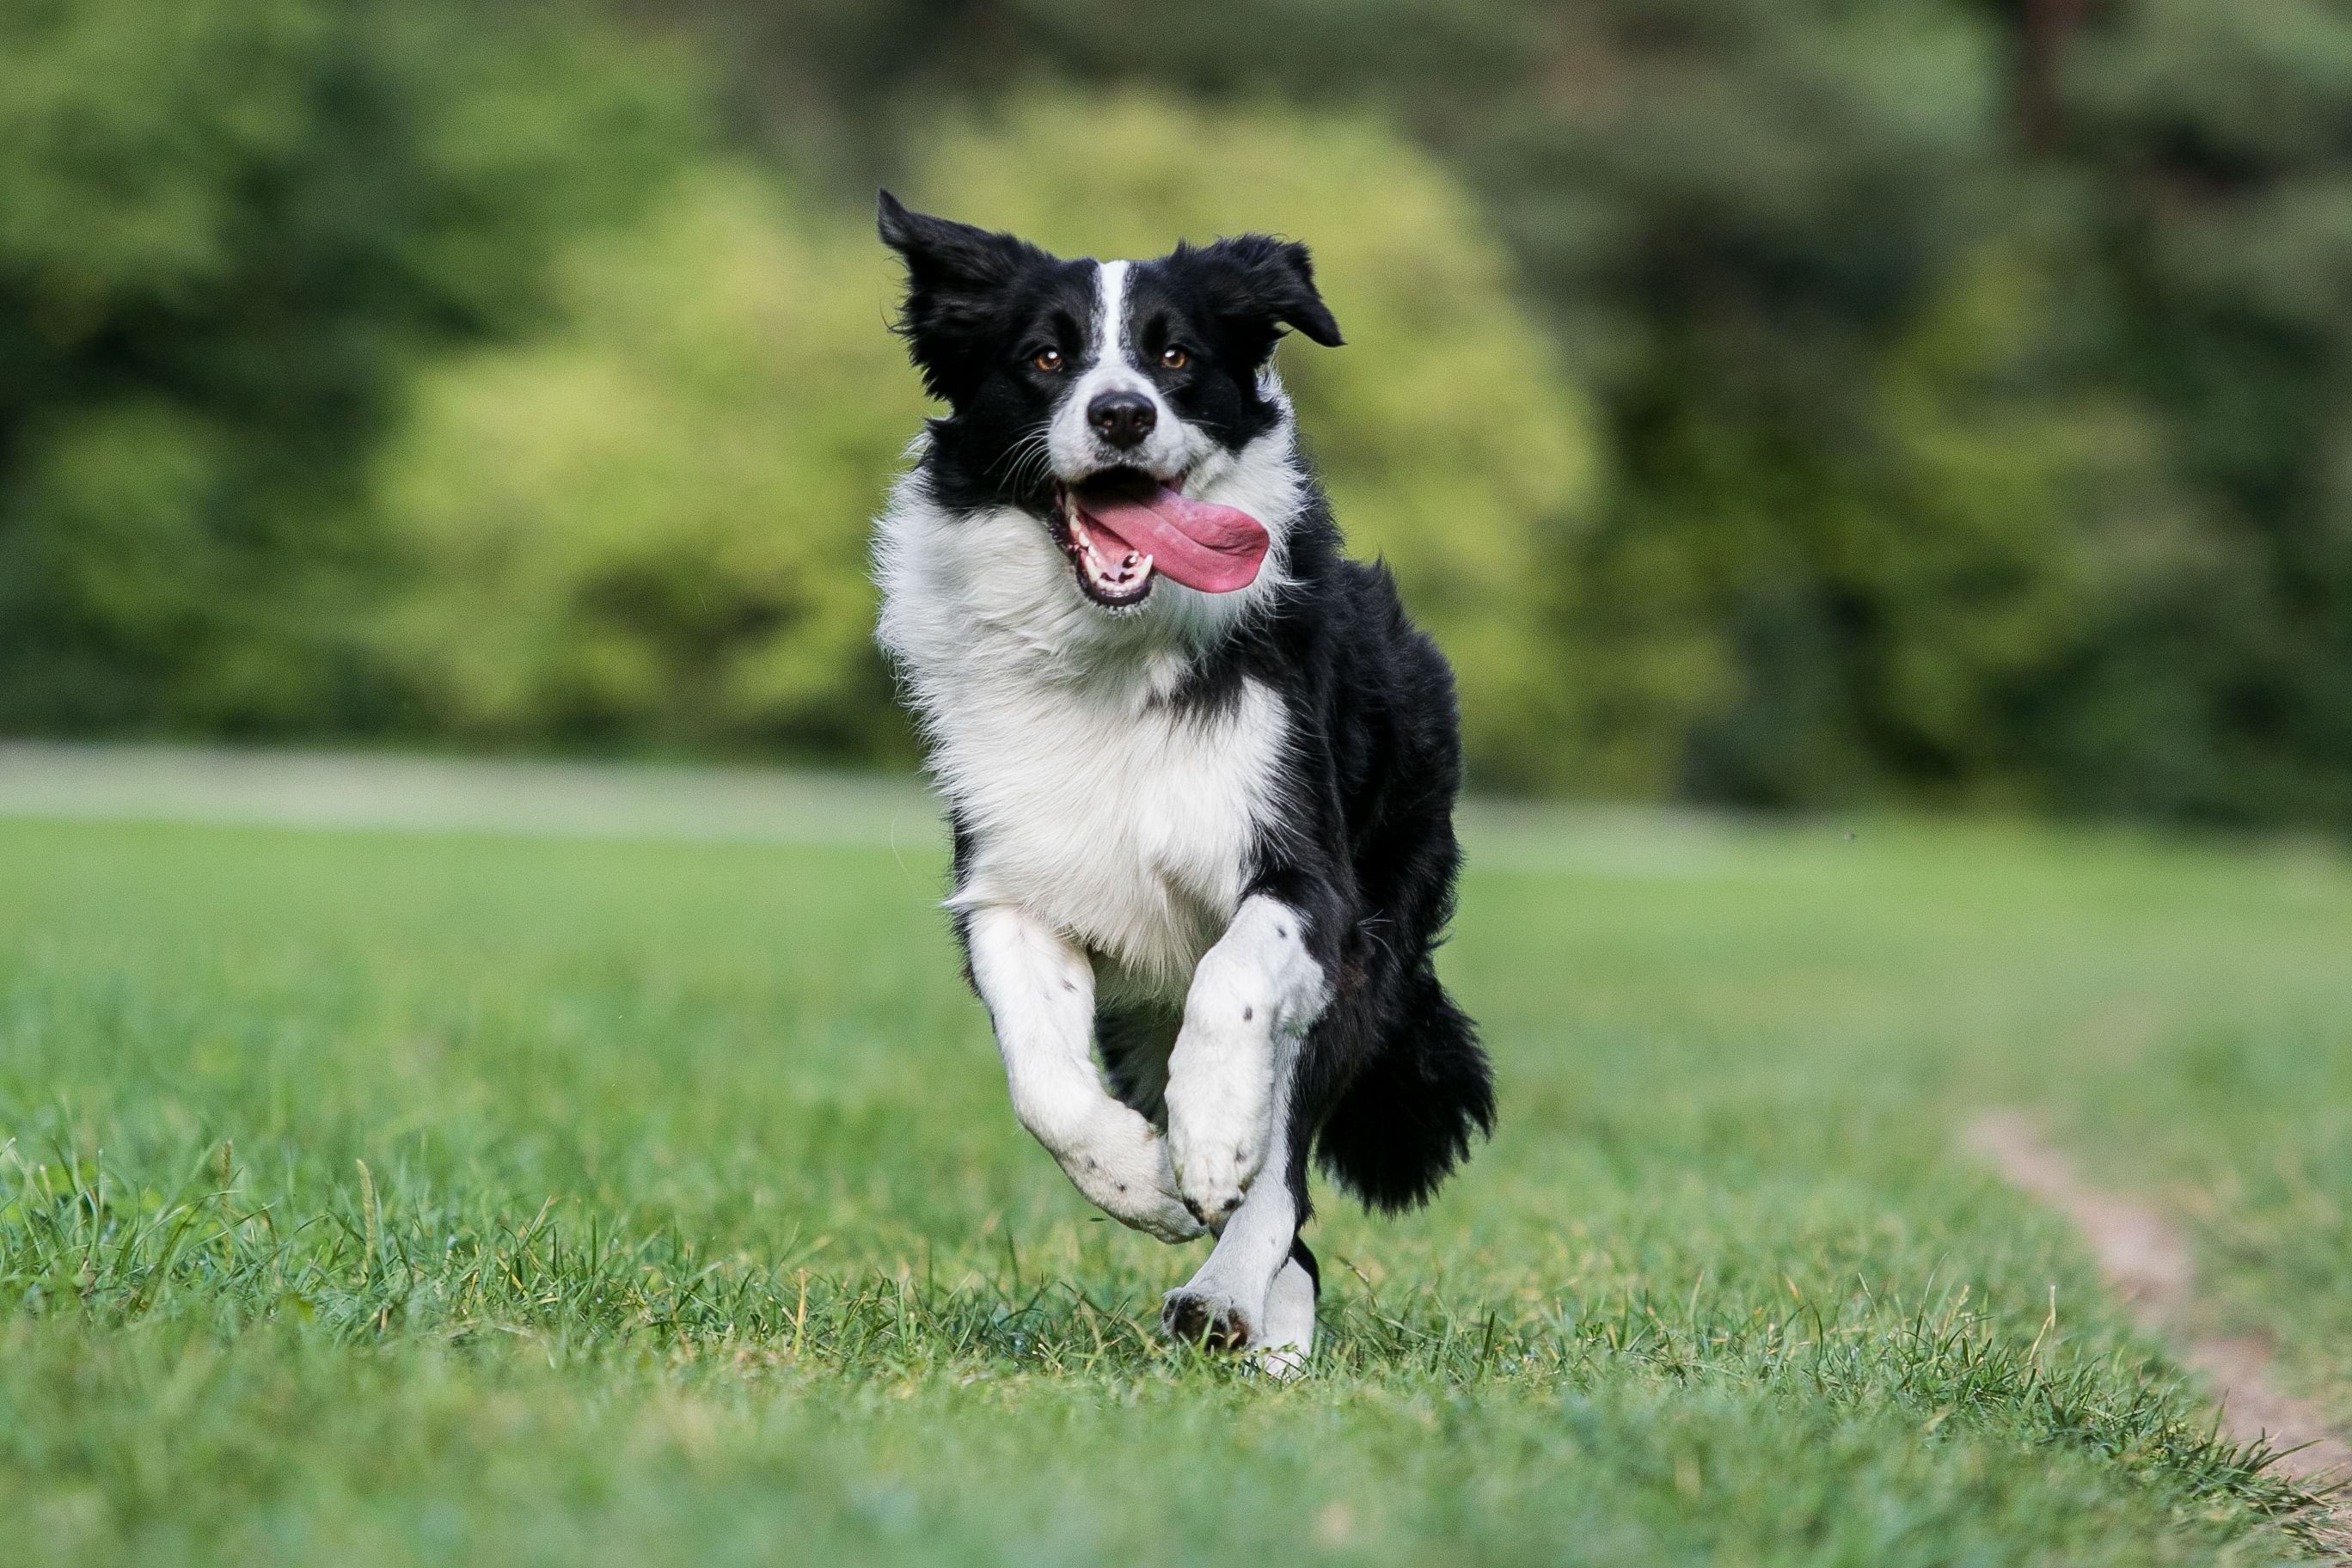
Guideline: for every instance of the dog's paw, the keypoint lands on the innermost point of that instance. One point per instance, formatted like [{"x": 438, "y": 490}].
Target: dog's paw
[
  {"x": 1280, "y": 1363},
  {"x": 1164, "y": 1215},
  {"x": 1220, "y": 1115},
  {"x": 1213, "y": 1171},
  {"x": 1124, "y": 1169},
  {"x": 1205, "y": 1317}
]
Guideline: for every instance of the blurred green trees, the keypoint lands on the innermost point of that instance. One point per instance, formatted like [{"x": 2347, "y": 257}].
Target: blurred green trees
[
  {"x": 650, "y": 522},
  {"x": 1823, "y": 251},
  {"x": 229, "y": 234},
  {"x": 1782, "y": 401}
]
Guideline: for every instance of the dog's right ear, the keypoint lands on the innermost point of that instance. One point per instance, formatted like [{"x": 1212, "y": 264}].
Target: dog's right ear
[{"x": 955, "y": 278}]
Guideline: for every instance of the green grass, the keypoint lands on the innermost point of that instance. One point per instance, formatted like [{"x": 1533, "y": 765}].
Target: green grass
[{"x": 392, "y": 1197}]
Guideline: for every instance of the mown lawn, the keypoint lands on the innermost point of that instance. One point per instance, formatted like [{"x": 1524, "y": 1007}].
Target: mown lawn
[{"x": 402, "y": 1196}]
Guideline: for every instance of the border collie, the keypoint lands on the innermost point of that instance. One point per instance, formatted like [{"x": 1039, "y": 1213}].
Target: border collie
[{"x": 1199, "y": 767}]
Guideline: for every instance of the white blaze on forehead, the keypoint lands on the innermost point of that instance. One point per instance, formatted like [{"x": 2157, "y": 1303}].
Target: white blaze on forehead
[
  {"x": 1111, "y": 317},
  {"x": 1111, "y": 367}
]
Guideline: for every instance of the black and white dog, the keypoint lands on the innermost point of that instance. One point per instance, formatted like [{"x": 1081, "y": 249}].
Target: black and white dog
[{"x": 1200, "y": 768}]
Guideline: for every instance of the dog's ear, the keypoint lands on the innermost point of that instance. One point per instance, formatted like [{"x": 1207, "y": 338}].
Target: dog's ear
[
  {"x": 1257, "y": 285},
  {"x": 955, "y": 278}
]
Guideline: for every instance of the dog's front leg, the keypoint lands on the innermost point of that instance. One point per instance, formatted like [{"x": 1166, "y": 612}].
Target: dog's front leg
[
  {"x": 1253, "y": 997},
  {"x": 1039, "y": 989},
  {"x": 1252, "y": 1293}
]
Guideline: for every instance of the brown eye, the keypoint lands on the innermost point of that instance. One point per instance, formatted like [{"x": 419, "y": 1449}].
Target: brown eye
[
  {"x": 1049, "y": 360},
  {"x": 1173, "y": 358}
]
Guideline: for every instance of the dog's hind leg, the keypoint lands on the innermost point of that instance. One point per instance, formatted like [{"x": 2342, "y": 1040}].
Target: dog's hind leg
[{"x": 1287, "y": 1337}]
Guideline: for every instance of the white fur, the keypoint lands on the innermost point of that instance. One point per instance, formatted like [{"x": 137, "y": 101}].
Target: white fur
[
  {"x": 1229, "y": 1085},
  {"x": 1287, "y": 1336},
  {"x": 1092, "y": 802},
  {"x": 1131, "y": 829},
  {"x": 1256, "y": 993},
  {"x": 1039, "y": 990},
  {"x": 1236, "y": 1285}
]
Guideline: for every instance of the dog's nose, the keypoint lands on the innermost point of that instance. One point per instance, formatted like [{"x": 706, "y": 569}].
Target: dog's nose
[{"x": 1123, "y": 419}]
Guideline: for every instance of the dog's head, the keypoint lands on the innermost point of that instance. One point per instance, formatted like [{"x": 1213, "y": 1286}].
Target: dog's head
[{"x": 1107, "y": 399}]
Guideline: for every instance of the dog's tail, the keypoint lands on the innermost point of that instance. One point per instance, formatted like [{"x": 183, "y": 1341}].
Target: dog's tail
[{"x": 1406, "y": 1120}]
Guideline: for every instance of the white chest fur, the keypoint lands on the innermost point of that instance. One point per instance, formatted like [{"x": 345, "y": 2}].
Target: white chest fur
[
  {"x": 1126, "y": 821},
  {"x": 1090, "y": 800}
]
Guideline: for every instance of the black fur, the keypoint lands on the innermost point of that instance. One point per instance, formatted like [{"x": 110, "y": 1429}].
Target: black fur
[{"x": 1391, "y": 1084}]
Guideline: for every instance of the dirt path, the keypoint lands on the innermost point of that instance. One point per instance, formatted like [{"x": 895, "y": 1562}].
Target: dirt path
[{"x": 2148, "y": 1262}]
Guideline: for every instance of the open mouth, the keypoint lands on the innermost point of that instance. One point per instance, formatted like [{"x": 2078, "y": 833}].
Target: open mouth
[
  {"x": 1112, "y": 571},
  {"x": 1122, "y": 527}
]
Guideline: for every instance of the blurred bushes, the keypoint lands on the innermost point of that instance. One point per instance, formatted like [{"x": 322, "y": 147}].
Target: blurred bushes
[
  {"x": 650, "y": 523},
  {"x": 1778, "y": 403},
  {"x": 229, "y": 232}
]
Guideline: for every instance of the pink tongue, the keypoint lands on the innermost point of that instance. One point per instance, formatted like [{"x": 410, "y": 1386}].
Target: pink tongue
[{"x": 1215, "y": 549}]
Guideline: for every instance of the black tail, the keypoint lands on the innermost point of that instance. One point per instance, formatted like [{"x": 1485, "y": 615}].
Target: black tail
[{"x": 1406, "y": 1120}]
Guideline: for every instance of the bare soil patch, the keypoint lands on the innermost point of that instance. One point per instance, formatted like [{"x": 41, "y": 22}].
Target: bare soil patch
[{"x": 2144, "y": 1258}]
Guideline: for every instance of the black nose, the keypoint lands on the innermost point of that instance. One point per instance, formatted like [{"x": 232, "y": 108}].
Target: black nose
[{"x": 1123, "y": 419}]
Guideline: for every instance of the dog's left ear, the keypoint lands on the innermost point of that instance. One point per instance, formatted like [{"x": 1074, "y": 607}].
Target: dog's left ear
[{"x": 1258, "y": 285}]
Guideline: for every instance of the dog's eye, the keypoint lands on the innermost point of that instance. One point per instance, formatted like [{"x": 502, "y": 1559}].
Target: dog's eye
[
  {"x": 1173, "y": 358},
  {"x": 1046, "y": 359}
]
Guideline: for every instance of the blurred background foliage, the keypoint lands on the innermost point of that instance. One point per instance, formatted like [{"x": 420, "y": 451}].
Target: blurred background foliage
[
  {"x": 1786, "y": 402},
  {"x": 649, "y": 522}
]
